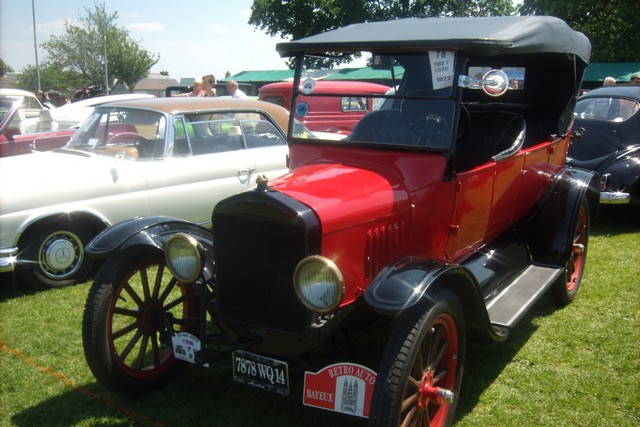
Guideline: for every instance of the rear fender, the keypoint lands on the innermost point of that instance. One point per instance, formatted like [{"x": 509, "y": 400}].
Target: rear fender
[
  {"x": 548, "y": 232},
  {"x": 401, "y": 285},
  {"x": 146, "y": 231}
]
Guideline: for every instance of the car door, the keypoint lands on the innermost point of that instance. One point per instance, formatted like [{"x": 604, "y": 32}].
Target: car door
[{"x": 216, "y": 165}]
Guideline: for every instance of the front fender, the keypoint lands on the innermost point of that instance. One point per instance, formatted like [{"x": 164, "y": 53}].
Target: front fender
[
  {"x": 401, "y": 285},
  {"x": 147, "y": 231}
]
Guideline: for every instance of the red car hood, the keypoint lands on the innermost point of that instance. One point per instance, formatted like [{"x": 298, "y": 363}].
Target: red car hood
[{"x": 344, "y": 195}]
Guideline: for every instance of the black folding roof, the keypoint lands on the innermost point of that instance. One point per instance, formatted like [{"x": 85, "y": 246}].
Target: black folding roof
[{"x": 485, "y": 36}]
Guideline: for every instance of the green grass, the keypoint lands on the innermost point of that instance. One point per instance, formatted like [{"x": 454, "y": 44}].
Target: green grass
[{"x": 575, "y": 366}]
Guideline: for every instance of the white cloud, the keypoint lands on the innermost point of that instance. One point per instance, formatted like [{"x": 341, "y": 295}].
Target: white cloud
[
  {"x": 221, "y": 29},
  {"x": 145, "y": 27}
]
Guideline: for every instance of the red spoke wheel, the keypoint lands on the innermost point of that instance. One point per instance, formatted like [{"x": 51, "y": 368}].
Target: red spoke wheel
[
  {"x": 421, "y": 372},
  {"x": 132, "y": 308},
  {"x": 566, "y": 288}
]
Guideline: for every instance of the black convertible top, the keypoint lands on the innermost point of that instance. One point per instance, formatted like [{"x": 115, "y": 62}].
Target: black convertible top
[{"x": 484, "y": 36}]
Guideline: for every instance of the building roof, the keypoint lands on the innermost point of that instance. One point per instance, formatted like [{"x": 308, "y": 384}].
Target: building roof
[
  {"x": 621, "y": 71},
  {"x": 155, "y": 83}
]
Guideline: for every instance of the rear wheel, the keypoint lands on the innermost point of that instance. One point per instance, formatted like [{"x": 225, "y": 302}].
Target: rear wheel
[
  {"x": 566, "y": 288},
  {"x": 132, "y": 307},
  {"x": 421, "y": 372},
  {"x": 52, "y": 254}
]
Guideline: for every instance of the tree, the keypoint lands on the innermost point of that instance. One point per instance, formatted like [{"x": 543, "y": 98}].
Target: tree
[
  {"x": 612, "y": 26},
  {"x": 52, "y": 77},
  {"x": 296, "y": 19},
  {"x": 81, "y": 50},
  {"x": 4, "y": 68}
]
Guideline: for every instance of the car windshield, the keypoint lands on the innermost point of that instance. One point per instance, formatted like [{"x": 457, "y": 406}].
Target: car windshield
[
  {"x": 114, "y": 130},
  {"x": 5, "y": 107},
  {"x": 420, "y": 112},
  {"x": 606, "y": 109}
]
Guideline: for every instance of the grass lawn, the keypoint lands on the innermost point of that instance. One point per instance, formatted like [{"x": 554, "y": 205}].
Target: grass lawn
[{"x": 576, "y": 366}]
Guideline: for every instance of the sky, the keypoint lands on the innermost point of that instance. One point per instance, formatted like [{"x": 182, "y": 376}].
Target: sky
[{"x": 192, "y": 37}]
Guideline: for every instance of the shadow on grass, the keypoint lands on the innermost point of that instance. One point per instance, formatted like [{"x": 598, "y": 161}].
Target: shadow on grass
[
  {"x": 10, "y": 288},
  {"x": 200, "y": 397},
  {"x": 614, "y": 220},
  {"x": 486, "y": 359}
]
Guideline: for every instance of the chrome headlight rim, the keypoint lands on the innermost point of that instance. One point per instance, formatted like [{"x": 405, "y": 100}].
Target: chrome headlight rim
[
  {"x": 335, "y": 273},
  {"x": 194, "y": 246}
]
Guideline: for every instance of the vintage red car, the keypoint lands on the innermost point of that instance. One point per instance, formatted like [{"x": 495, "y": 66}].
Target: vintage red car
[{"x": 352, "y": 280}]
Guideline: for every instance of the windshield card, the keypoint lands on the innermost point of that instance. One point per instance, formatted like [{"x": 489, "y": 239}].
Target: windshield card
[
  {"x": 342, "y": 387},
  {"x": 261, "y": 372},
  {"x": 442, "y": 68}
]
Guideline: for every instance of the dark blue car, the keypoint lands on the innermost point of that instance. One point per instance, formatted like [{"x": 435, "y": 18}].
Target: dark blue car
[{"x": 607, "y": 123}]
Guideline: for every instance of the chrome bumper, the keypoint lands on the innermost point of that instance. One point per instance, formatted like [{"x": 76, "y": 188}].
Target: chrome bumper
[
  {"x": 8, "y": 259},
  {"x": 614, "y": 198}
]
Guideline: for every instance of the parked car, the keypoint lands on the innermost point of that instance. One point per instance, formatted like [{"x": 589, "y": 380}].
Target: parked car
[
  {"x": 607, "y": 122},
  {"x": 322, "y": 112},
  {"x": 351, "y": 281},
  {"x": 20, "y": 113},
  {"x": 131, "y": 158},
  {"x": 71, "y": 116},
  {"x": 54, "y": 127}
]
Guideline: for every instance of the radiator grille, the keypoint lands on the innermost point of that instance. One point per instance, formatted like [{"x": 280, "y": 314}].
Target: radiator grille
[{"x": 256, "y": 255}]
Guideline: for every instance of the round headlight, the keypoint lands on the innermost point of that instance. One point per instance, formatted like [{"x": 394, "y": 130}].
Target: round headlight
[
  {"x": 184, "y": 257},
  {"x": 319, "y": 284}
]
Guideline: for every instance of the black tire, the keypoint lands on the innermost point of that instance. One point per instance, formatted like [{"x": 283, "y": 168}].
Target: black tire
[
  {"x": 125, "y": 329},
  {"x": 52, "y": 255},
  {"x": 424, "y": 357},
  {"x": 567, "y": 286}
]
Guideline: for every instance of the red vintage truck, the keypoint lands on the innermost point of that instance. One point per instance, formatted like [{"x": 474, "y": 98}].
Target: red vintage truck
[{"x": 324, "y": 111}]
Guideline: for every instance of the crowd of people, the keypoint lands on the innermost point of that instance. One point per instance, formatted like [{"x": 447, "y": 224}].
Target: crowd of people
[{"x": 207, "y": 87}]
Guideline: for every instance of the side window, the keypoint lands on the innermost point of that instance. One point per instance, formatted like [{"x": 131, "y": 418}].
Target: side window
[
  {"x": 261, "y": 133},
  {"x": 606, "y": 109},
  {"x": 353, "y": 103}
]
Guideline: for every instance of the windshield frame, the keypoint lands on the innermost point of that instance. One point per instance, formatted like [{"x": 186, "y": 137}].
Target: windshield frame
[{"x": 448, "y": 95}]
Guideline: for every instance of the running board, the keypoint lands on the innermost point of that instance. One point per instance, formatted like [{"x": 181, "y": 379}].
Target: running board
[{"x": 508, "y": 307}]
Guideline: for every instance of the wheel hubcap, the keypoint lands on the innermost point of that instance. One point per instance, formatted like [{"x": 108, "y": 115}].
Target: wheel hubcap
[
  {"x": 427, "y": 393},
  {"x": 60, "y": 255}
]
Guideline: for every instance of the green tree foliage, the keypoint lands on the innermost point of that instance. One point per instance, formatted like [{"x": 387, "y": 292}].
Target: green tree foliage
[
  {"x": 52, "y": 77},
  {"x": 81, "y": 50},
  {"x": 4, "y": 68},
  {"x": 295, "y": 19},
  {"x": 612, "y": 25}
]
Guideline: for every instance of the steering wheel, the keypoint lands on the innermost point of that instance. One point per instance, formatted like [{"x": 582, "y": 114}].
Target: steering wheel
[
  {"x": 423, "y": 120},
  {"x": 127, "y": 138}
]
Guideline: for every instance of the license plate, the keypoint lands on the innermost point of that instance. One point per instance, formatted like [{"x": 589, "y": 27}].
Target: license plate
[{"x": 261, "y": 372}]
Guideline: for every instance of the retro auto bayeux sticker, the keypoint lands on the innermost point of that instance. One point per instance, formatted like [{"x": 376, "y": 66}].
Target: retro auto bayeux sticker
[{"x": 342, "y": 387}]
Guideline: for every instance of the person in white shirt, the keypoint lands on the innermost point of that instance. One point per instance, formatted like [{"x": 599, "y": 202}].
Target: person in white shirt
[{"x": 234, "y": 91}]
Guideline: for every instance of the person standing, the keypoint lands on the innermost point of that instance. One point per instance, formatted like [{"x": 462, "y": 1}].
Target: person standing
[
  {"x": 234, "y": 90},
  {"x": 209, "y": 85},
  {"x": 609, "y": 81}
]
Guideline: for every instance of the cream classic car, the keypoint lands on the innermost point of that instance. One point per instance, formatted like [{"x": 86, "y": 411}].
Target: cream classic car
[{"x": 167, "y": 156}]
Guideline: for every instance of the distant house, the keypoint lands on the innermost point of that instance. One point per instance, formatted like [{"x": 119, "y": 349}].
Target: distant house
[{"x": 155, "y": 85}]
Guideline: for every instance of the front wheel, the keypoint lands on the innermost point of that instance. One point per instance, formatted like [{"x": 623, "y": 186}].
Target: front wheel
[
  {"x": 421, "y": 371},
  {"x": 566, "y": 288},
  {"x": 132, "y": 308},
  {"x": 53, "y": 255}
]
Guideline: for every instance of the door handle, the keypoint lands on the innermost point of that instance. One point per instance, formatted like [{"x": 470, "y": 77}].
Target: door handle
[{"x": 246, "y": 171}]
